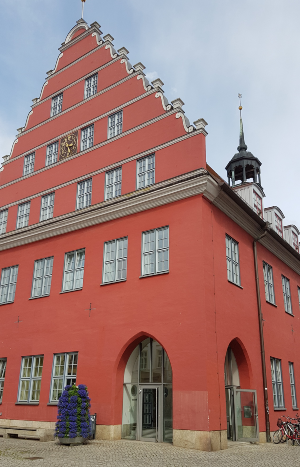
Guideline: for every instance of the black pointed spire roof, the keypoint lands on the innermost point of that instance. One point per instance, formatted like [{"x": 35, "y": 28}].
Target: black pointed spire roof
[{"x": 243, "y": 165}]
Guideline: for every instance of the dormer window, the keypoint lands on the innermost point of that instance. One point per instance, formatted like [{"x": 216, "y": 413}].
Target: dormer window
[
  {"x": 278, "y": 225},
  {"x": 56, "y": 105},
  {"x": 295, "y": 241},
  {"x": 257, "y": 203}
]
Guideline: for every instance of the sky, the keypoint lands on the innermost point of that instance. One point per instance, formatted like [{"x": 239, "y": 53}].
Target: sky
[{"x": 206, "y": 52}]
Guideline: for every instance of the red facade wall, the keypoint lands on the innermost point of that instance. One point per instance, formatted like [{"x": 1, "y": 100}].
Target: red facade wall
[{"x": 193, "y": 311}]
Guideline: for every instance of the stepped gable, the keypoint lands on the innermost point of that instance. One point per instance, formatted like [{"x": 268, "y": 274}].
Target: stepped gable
[{"x": 150, "y": 125}]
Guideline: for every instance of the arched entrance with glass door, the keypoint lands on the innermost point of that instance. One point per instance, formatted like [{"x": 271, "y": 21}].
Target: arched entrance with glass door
[
  {"x": 147, "y": 394},
  {"x": 241, "y": 403}
]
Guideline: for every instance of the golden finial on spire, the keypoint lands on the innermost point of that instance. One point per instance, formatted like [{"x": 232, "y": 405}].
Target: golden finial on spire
[
  {"x": 83, "y": 2},
  {"x": 240, "y": 106}
]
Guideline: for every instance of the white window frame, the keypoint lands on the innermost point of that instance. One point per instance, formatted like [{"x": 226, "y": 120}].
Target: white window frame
[
  {"x": 84, "y": 194},
  {"x": 293, "y": 386},
  {"x": 115, "y": 260},
  {"x": 257, "y": 203},
  {"x": 156, "y": 238},
  {"x": 3, "y": 363},
  {"x": 8, "y": 287},
  {"x": 3, "y": 221},
  {"x": 42, "y": 276},
  {"x": 278, "y": 225},
  {"x": 51, "y": 153},
  {"x": 65, "y": 368},
  {"x": 31, "y": 379},
  {"x": 90, "y": 86},
  {"x": 87, "y": 137},
  {"x": 47, "y": 206},
  {"x": 269, "y": 283},
  {"x": 29, "y": 163},
  {"x": 145, "y": 171},
  {"x": 23, "y": 215},
  {"x": 233, "y": 260},
  {"x": 115, "y": 124},
  {"x": 113, "y": 183},
  {"x": 286, "y": 294},
  {"x": 76, "y": 272},
  {"x": 277, "y": 385},
  {"x": 295, "y": 241},
  {"x": 56, "y": 104}
]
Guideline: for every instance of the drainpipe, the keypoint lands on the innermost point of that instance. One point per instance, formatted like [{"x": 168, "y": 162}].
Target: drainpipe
[{"x": 262, "y": 344}]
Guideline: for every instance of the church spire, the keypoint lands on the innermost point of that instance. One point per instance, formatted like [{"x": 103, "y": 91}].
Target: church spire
[
  {"x": 242, "y": 146},
  {"x": 243, "y": 166}
]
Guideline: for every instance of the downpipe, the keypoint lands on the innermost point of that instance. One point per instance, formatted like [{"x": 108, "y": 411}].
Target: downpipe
[{"x": 262, "y": 342}]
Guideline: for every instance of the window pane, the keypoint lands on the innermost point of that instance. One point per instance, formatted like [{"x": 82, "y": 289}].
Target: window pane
[
  {"x": 59, "y": 365},
  {"x": 35, "y": 390},
  {"x": 24, "y": 391}
]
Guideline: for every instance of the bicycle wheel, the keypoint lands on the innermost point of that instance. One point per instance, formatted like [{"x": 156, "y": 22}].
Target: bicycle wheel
[{"x": 277, "y": 437}]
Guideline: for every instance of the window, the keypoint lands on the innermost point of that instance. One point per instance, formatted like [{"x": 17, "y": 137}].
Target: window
[
  {"x": 52, "y": 153},
  {"x": 47, "y": 207},
  {"x": 286, "y": 295},
  {"x": 63, "y": 373},
  {"x": 269, "y": 287},
  {"x": 23, "y": 215},
  {"x": 84, "y": 194},
  {"x": 3, "y": 221},
  {"x": 56, "y": 106},
  {"x": 232, "y": 256},
  {"x": 278, "y": 225},
  {"x": 278, "y": 399},
  {"x": 293, "y": 388},
  {"x": 145, "y": 171},
  {"x": 113, "y": 181},
  {"x": 8, "y": 284},
  {"x": 30, "y": 380},
  {"x": 257, "y": 203},
  {"x": 155, "y": 256},
  {"x": 42, "y": 276},
  {"x": 115, "y": 260},
  {"x": 115, "y": 123},
  {"x": 91, "y": 86},
  {"x": 29, "y": 164},
  {"x": 87, "y": 137},
  {"x": 2, "y": 376},
  {"x": 74, "y": 269},
  {"x": 299, "y": 295},
  {"x": 295, "y": 241}
]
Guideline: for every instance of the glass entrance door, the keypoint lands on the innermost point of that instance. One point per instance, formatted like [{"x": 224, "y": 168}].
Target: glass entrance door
[
  {"x": 246, "y": 418},
  {"x": 149, "y": 413}
]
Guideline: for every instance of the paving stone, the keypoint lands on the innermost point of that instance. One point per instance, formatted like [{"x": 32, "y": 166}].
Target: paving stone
[{"x": 16, "y": 452}]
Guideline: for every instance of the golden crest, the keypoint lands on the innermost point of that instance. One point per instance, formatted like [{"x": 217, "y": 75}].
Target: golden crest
[{"x": 68, "y": 145}]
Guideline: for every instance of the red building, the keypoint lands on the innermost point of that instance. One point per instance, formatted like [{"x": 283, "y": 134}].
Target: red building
[{"x": 130, "y": 266}]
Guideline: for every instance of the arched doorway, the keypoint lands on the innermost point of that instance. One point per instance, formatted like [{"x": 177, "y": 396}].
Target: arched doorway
[
  {"x": 147, "y": 394},
  {"x": 241, "y": 403}
]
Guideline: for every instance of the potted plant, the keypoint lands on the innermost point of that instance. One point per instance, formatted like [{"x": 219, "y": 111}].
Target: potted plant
[{"x": 73, "y": 424}]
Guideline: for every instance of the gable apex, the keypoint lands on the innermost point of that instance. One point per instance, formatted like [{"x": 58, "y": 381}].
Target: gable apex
[{"x": 80, "y": 24}]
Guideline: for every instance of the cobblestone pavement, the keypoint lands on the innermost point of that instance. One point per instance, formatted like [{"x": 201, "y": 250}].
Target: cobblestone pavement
[{"x": 17, "y": 452}]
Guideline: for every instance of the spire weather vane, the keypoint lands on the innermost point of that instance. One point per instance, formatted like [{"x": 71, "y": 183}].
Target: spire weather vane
[
  {"x": 240, "y": 106},
  {"x": 83, "y": 2}
]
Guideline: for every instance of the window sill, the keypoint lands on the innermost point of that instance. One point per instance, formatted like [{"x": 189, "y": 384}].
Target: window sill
[
  {"x": 277, "y": 409},
  {"x": 113, "y": 282},
  {"x": 35, "y": 298},
  {"x": 233, "y": 283},
  {"x": 7, "y": 303},
  {"x": 290, "y": 314},
  {"x": 52, "y": 403},
  {"x": 155, "y": 274},
  {"x": 295, "y": 408},
  {"x": 270, "y": 303},
  {"x": 68, "y": 291},
  {"x": 27, "y": 403}
]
